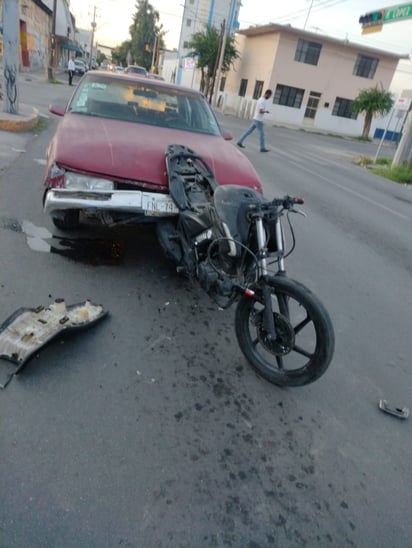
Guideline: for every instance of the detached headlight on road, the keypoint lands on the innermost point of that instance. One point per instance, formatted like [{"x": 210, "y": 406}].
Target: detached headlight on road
[{"x": 73, "y": 181}]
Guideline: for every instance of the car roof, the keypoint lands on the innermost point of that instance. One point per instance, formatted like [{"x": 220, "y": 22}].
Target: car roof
[{"x": 130, "y": 78}]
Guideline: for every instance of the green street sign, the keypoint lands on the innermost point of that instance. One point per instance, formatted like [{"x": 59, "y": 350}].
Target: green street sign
[{"x": 394, "y": 13}]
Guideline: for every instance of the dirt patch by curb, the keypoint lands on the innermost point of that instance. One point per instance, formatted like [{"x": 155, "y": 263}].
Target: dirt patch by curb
[{"x": 26, "y": 119}]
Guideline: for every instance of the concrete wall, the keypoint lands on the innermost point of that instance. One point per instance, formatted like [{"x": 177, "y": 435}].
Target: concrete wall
[
  {"x": 34, "y": 31},
  {"x": 38, "y": 24}
]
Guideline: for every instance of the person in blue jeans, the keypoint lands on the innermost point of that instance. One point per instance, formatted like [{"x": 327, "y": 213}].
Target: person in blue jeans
[{"x": 262, "y": 107}]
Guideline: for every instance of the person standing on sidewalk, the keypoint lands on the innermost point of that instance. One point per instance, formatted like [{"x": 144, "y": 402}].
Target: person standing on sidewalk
[
  {"x": 71, "y": 67},
  {"x": 262, "y": 107}
]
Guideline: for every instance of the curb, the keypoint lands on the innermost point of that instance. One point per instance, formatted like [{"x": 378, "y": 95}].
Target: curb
[{"x": 26, "y": 119}]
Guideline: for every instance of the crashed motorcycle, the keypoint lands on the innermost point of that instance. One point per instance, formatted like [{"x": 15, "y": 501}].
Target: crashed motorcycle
[{"x": 232, "y": 241}]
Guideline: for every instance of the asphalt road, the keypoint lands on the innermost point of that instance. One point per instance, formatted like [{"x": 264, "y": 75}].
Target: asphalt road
[{"x": 150, "y": 429}]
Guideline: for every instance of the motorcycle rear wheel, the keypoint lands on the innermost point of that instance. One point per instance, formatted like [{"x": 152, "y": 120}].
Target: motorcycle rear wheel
[{"x": 305, "y": 339}]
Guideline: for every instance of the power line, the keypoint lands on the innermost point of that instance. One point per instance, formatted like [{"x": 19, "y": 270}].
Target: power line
[{"x": 322, "y": 5}]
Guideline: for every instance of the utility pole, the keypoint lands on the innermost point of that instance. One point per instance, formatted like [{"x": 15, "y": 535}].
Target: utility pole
[
  {"x": 52, "y": 54},
  {"x": 154, "y": 54},
  {"x": 91, "y": 41},
  {"x": 404, "y": 151},
  {"x": 222, "y": 50},
  {"x": 213, "y": 96},
  {"x": 11, "y": 56},
  {"x": 307, "y": 17}
]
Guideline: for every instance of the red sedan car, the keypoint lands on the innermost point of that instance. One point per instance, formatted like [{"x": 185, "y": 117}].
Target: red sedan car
[{"x": 106, "y": 160}]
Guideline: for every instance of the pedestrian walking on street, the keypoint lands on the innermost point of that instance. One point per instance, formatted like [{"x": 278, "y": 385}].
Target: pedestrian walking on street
[
  {"x": 71, "y": 67},
  {"x": 262, "y": 107}
]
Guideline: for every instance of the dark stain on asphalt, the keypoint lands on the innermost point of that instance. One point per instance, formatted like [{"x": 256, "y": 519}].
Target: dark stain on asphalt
[
  {"x": 244, "y": 455},
  {"x": 93, "y": 251}
]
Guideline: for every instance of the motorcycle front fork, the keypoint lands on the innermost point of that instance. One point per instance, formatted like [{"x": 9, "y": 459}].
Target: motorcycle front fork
[{"x": 269, "y": 320}]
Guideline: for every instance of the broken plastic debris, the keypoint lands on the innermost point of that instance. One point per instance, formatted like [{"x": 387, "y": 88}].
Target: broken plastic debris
[
  {"x": 28, "y": 329},
  {"x": 401, "y": 413}
]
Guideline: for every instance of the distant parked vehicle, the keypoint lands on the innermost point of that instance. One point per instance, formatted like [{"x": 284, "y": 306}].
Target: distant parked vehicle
[
  {"x": 136, "y": 69},
  {"x": 155, "y": 76},
  {"x": 80, "y": 67}
]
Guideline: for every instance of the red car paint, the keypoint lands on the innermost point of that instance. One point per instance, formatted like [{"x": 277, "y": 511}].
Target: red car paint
[{"x": 128, "y": 151}]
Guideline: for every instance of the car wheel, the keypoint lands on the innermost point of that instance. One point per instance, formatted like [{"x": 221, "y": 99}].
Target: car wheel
[{"x": 67, "y": 220}]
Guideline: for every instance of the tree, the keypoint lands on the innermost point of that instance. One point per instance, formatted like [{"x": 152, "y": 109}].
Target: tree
[
  {"x": 205, "y": 45},
  {"x": 100, "y": 57},
  {"x": 146, "y": 35},
  {"x": 372, "y": 102},
  {"x": 119, "y": 54}
]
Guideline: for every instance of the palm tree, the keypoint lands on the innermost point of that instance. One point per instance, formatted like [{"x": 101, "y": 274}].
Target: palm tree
[
  {"x": 372, "y": 102},
  {"x": 205, "y": 46}
]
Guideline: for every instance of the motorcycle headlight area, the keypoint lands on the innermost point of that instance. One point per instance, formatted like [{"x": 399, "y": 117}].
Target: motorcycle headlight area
[{"x": 74, "y": 181}]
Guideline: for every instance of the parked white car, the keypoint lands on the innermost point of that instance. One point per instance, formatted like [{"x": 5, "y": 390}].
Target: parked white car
[{"x": 81, "y": 67}]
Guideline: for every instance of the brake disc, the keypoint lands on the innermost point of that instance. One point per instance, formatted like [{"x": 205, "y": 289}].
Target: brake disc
[{"x": 285, "y": 335}]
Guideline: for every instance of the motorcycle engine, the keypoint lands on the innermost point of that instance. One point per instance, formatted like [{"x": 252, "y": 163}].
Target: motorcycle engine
[{"x": 213, "y": 282}]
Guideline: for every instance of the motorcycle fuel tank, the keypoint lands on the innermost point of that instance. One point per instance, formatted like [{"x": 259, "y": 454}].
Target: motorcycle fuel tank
[{"x": 232, "y": 203}]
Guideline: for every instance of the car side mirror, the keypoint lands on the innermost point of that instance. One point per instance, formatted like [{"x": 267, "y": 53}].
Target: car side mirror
[
  {"x": 227, "y": 136},
  {"x": 57, "y": 109}
]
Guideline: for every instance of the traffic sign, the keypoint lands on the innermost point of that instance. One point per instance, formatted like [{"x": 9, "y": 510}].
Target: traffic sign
[
  {"x": 373, "y": 20},
  {"x": 394, "y": 13},
  {"x": 402, "y": 103},
  {"x": 368, "y": 29}
]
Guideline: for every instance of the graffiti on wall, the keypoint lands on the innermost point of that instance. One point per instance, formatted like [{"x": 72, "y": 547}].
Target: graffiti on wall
[{"x": 10, "y": 80}]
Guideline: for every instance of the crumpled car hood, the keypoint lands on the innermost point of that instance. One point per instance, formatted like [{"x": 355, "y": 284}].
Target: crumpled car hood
[{"x": 136, "y": 152}]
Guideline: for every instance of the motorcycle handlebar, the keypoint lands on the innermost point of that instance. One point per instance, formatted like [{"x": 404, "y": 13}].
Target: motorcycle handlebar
[{"x": 287, "y": 202}]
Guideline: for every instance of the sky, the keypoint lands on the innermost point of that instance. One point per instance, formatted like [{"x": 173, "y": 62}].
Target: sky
[{"x": 336, "y": 18}]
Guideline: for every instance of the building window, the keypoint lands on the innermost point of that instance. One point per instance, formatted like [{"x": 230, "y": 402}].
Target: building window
[
  {"x": 342, "y": 107},
  {"x": 191, "y": 1},
  {"x": 308, "y": 52},
  {"x": 288, "y": 96},
  {"x": 186, "y": 44},
  {"x": 365, "y": 66},
  {"x": 222, "y": 83},
  {"x": 188, "y": 22},
  {"x": 243, "y": 86},
  {"x": 258, "y": 91}
]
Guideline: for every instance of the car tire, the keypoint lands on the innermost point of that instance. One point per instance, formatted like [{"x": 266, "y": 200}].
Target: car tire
[{"x": 67, "y": 220}]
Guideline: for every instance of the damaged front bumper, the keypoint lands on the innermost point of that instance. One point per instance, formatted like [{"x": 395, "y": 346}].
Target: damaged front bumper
[{"x": 123, "y": 201}]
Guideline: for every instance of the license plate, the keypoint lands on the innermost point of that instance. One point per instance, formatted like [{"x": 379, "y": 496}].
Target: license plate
[{"x": 158, "y": 205}]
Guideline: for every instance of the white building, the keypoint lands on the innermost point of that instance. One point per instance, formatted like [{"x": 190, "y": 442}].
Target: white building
[{"x": 197, "y": 15}]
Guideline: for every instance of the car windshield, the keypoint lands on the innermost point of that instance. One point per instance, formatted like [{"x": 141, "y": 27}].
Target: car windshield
[{"x": 144, "y": 102}]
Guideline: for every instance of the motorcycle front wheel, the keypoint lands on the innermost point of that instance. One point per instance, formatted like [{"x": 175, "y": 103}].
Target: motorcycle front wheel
[{"x": 305, "y": 340}]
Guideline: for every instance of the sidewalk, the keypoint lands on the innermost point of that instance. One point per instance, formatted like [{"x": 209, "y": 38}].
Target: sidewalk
[
  {"x": 28, "y": 115},
  {"x": 16, "y": 130}
]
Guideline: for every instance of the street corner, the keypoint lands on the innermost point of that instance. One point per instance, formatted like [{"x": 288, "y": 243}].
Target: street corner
[{"x": 25, "y": 120}]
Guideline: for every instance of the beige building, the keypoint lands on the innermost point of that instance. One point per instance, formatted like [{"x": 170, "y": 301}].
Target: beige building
[{"x": 314, "y": 78}]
